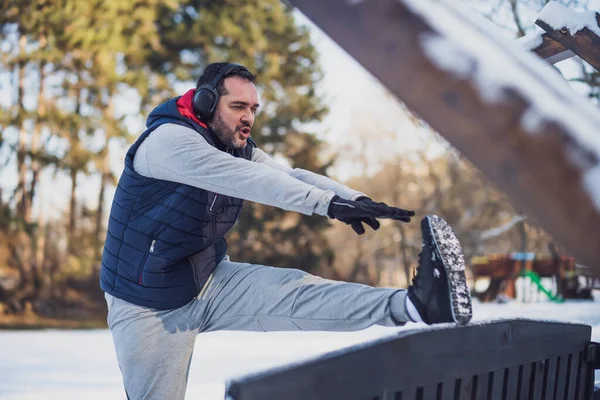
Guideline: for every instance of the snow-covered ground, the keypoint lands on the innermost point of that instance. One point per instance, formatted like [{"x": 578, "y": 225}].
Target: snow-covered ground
[{"x": 53, "y": 364}]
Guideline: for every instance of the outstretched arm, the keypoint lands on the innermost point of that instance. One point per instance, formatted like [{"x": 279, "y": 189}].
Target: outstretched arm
[
  {"x": 179, "y": 154},
  {"x": 358, "y": 208},
  {"x": 320, "y": 181}
]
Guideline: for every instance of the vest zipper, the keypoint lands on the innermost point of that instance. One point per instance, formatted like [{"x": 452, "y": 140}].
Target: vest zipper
[
  {"x": 213, "y": 202},
  {"x": 144, "y": 262}
]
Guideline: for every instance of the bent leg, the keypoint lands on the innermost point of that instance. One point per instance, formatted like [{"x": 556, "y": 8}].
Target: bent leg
[
  {"x": 154, "y": 349},
  {"x": 260, "y": 298}
]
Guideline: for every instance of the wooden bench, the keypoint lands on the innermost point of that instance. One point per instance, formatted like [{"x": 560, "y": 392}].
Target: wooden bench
[{"x": 505, "y": 359}]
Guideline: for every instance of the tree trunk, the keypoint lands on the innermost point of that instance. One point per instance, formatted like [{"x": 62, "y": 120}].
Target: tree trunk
[
  {"x": 40, "y": 255},
  {"x": 74, "y": 169},
  {"x": 105, "y": 173},
  {"x": 35, "y": 141},
  {"x": 72, "y": 210},
  {"x": 404, "y": 252},
  {"x": 19, "y": 247},
  {"x": 22, "y": 198},
  {"x": 397, "y": 176}
]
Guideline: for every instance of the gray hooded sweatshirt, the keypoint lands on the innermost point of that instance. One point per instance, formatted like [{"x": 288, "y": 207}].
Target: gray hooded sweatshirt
[{"x": 179, "y": 154}]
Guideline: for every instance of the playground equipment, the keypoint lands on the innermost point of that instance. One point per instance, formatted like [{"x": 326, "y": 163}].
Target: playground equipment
[
  {"x": 570, "y": 281},
  {"x": 535, "y": 279}
]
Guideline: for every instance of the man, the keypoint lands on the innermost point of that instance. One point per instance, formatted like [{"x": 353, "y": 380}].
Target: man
[{"x": 165, "y": 270}]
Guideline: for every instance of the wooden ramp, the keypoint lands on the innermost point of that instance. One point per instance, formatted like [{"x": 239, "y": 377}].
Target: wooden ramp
[{"x": 508, "y": 359}]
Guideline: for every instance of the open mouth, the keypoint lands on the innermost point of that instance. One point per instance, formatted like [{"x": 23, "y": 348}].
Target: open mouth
[{"x": 245, "y": 132}]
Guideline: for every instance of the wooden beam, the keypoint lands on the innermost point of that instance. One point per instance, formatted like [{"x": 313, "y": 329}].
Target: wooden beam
[
  {"x": 585, "y": 43},
  {"x": 398, "y": 365},
  {"x": 552, "y": 51},
  {"x": 544, "y": 166}
]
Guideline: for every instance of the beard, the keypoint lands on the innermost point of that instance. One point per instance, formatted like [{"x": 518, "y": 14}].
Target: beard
[{"x": 226, "y": 134}]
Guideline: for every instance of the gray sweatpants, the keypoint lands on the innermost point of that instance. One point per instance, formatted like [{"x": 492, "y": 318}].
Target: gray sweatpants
[{"x": 154, "y": 347}]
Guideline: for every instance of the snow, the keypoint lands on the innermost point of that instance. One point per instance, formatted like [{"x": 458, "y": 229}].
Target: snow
[
  {"x": 52, "y": 364},
  {"x": 496, "y": 64},
  {"x": 532, "y": 40},
  {"x": 499, "y": 230},
  {"x": 559, "y": 16},
  {"x": 448, "y": 55}
]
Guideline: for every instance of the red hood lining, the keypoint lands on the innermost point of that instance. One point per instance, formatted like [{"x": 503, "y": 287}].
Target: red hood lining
[{"x": 185, "y": 108}]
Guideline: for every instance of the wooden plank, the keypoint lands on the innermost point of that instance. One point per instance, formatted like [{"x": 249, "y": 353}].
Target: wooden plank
[
  {"x": 429, "y": 392},
  {"x": 552, "y": 51},
  {"x": 525, "y": 374},
  {"x": 497, "y": 384},
  {"x": 466, "y": 388},
  {"x": 539, "y": 371},
  {"x": 446, "y": 390},
  {"x": 483, "y": 382},
  {"x": 511, "y": 390},
  {"x": 561, "y": 377},
  {"x": 585, "y": 43},
  {"x": 550, "y": 379},
  {"x": 387, "y": 395},
  {"x": 529, "y": 165},
  {"x": 573, "y": 371},
  {"x": 410, "y": 394},
  {"x": 582, "y": 376}
]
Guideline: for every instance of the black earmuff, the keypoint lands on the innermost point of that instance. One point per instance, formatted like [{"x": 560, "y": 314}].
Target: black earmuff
[{"x": 206, "y": 97}]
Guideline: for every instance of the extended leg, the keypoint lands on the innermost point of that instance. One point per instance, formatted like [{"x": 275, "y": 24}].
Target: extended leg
[{"x": 259, "y": 298}]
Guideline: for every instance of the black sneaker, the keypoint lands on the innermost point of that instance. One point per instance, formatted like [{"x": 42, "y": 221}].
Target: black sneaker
[{"x": 439, "y": 289}]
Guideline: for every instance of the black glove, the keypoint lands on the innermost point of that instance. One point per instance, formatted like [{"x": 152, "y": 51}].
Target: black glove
[
  {"x": 354, "y": 213},
  {"x": 357, "y": 224}
]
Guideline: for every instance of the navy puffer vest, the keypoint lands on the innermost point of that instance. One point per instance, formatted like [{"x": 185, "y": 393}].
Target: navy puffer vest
[{"x": 164, "y": 239}]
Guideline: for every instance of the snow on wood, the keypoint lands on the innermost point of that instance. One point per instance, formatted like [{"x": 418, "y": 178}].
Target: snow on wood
[
  {"x": 559, "y": 16},
  {"x": 576, "y": 31},
  {"x": 557, "y": 56},
  {"x": 545, "y": 47},
  {"x": 497, "y": 75},
  {"x": 532, "y": 40},
  {"x": 502, "y": 106}
]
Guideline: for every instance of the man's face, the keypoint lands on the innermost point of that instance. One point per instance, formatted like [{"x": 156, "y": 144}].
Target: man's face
[{"x": 234, "y": 115}]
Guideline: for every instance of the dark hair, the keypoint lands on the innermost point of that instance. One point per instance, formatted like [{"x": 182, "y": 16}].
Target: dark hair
[{"x": 211, "y": 71}]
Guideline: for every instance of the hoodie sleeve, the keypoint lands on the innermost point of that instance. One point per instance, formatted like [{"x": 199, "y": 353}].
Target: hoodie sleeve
[
  {"x": 320, "y": 181},
  {"x": 179, "y": 154}
]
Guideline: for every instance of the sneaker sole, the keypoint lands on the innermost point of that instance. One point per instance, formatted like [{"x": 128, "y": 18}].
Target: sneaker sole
[{"x": 448, "y": 248}]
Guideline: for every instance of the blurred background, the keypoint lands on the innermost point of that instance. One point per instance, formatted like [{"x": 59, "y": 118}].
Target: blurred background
[{"x": 78, "y": 78}]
